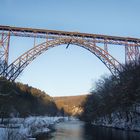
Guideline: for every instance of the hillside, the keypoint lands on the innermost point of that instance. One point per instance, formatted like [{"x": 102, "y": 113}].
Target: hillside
[
  {"x": 115, "y": 102},
  {"x": 17, "y": 99},
  {"x": 70, "y": 104}
]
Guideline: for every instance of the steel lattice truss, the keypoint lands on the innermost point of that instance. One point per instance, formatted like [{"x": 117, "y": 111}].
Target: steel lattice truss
[{"x": 55, "y": 38}]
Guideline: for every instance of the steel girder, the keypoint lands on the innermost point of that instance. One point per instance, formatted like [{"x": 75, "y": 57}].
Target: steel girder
[
  {"x": 132, "y": 45},
  {"x": 132, "y": 53},
  {"x": 4, "y": 50},
  {"x": 14, "y": 69}
]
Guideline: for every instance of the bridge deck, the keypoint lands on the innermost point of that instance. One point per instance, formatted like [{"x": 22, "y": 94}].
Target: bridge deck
[{"x": 32, "y": 32}]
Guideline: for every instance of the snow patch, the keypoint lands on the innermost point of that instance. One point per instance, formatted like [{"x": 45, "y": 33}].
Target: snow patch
[
  {"x": 116, "y": 122},
  {"x": 28, "y": 127}
]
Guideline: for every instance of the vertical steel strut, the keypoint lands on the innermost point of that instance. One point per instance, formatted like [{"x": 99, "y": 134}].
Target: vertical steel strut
[
  {"x": 131, "y": 53},
  {"x": 4, "y": 50}
]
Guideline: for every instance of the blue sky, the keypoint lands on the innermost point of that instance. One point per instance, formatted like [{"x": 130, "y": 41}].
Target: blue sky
[{"x": 71, "y": 71}]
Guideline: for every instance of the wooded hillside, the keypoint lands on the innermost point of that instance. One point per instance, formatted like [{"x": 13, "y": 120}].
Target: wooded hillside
[
  {"x": 115, "y": 98},
  {"x": 17, "y": 99}
]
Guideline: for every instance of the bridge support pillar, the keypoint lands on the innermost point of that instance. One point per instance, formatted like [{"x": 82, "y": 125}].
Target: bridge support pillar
[
  {"x": 4, "y": 50},
  {"x": 132, "y": 53}
]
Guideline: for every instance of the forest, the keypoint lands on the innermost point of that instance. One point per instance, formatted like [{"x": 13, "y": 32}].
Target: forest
[
  {"x": 115, "y": 98},
  {"x": 20, "y": 100}
]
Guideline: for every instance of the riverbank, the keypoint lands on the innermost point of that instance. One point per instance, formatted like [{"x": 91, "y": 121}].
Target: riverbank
[
  {"x": 28, "y": 128},
  {"x": 78, "y": 130},
  {"x": 119, "y": 123}
]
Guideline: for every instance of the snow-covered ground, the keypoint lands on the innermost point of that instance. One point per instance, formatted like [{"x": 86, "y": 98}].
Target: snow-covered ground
[
  {"x": 27, "y": 128},
  {"x": 120, "y": 123}
]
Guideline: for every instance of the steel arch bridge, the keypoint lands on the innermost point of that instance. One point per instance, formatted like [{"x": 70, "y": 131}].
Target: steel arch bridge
[{"x": 55, "y": 38}]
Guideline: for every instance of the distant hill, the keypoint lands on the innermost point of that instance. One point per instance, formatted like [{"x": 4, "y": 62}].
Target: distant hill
[{"x": 70, "y": 104}]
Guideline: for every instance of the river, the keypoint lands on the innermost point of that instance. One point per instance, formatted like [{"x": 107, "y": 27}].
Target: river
[{"x": 77, "y": 130}]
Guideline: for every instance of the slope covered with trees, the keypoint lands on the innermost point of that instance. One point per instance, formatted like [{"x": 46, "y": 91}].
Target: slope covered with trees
[
  {"x": 71, "y": 105},
  {"x": 17, "y": 99},
  {"x": 115, "y": 99}
]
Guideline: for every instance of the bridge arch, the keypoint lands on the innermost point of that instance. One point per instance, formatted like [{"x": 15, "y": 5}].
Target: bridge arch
[{"x": 16, "y": 67}]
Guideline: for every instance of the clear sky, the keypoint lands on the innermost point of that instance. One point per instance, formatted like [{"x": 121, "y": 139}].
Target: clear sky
[{"x": 71, "y": 71}]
